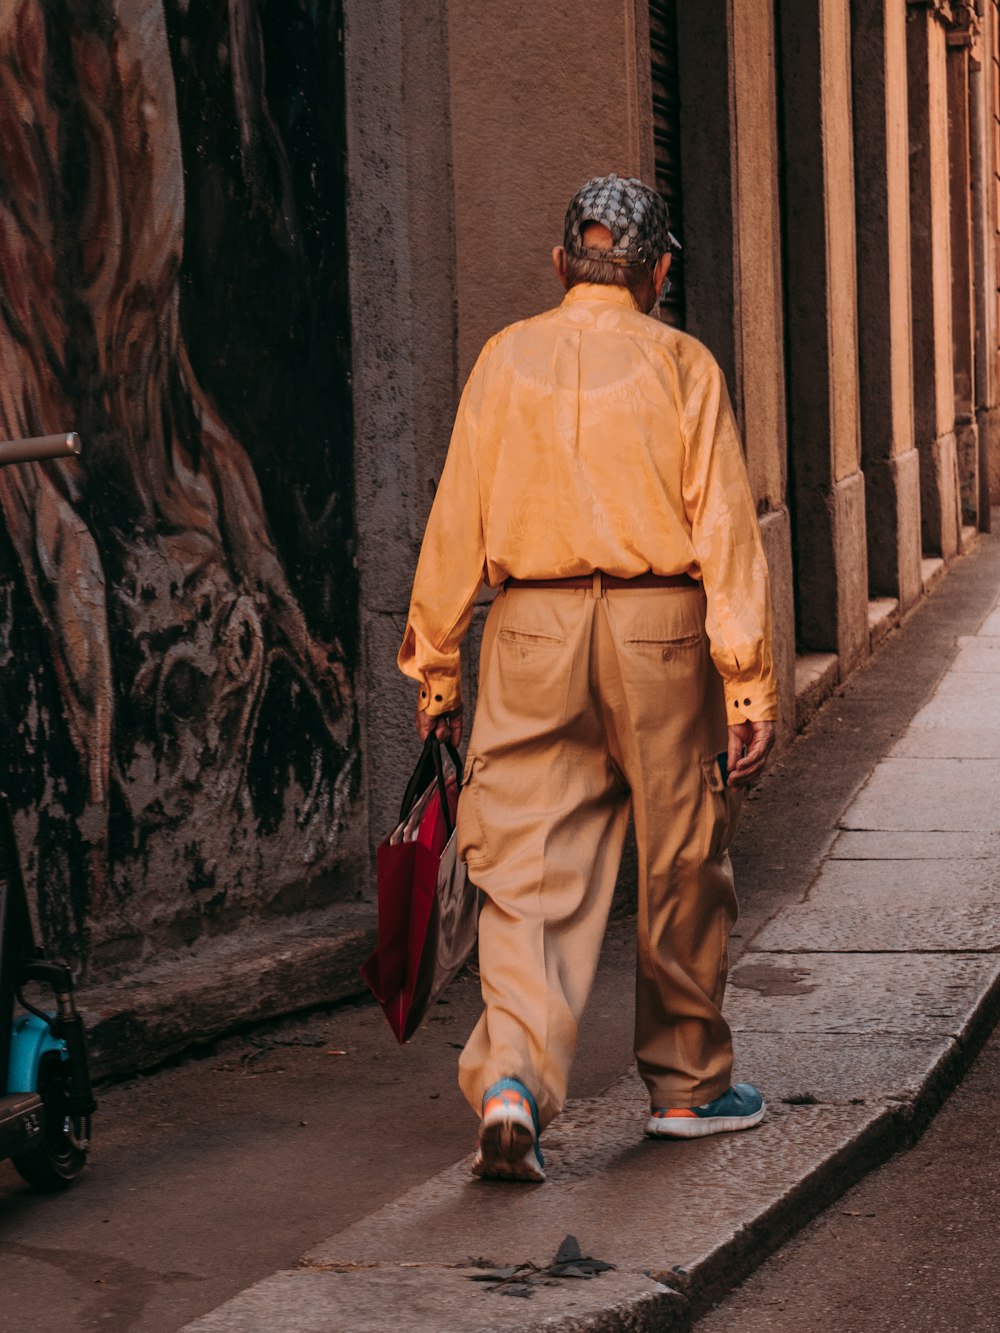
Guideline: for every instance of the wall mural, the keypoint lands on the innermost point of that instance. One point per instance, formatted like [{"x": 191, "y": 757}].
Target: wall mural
[{"x": 178, "y": 610}]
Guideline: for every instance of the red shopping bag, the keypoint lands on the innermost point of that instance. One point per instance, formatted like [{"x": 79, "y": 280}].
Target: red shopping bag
[{"x": 427, "y": 911}]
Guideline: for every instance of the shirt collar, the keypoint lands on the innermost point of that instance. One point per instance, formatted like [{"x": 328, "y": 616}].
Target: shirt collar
[{"x": 598, "y": 291}]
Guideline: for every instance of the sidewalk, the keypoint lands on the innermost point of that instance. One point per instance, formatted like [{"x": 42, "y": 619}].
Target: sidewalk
[{"x": 868, "y": 975}]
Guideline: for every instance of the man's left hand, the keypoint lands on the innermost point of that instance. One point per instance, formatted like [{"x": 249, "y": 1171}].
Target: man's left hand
[
  {"x": 446, "y": 726},
  {"x": 750, "y": 743}
]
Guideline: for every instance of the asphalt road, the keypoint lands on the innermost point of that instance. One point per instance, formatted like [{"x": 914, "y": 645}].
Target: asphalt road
[{"x": 912, "y": 1249}]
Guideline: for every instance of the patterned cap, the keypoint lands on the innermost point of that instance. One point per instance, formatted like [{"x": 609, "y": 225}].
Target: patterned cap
[{"x": 636, "y": 215}]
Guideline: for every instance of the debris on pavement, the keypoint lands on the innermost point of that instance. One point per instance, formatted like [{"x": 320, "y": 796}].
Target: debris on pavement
[
  {"x": 263, "y": 1045},
  {"x": 524, "y": 1279}
]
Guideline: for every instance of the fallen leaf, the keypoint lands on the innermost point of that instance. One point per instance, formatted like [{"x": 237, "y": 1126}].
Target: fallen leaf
[
  {"x": 568, "y": 1251},
  {"x": 521, "y": 1279},
  {"x": 516, "y": 1289}
]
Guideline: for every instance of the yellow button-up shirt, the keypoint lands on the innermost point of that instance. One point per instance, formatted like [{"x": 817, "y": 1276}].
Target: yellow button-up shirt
[{"x": 594, "y": 437}]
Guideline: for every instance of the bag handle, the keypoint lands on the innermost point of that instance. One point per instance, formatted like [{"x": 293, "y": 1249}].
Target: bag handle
[
  {"x": 442, "y": 787},
  {"x": 430, "y": 765}
]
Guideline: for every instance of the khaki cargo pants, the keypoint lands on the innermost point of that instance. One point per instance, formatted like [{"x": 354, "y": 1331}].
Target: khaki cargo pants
[{"x": 589, "y": 700}]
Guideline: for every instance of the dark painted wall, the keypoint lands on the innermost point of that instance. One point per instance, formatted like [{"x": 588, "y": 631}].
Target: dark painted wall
[{"x": 178, "y": 611}]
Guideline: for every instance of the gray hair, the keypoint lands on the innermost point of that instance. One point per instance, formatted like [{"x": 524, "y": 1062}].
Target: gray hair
[{"x": 606, "y": 273}]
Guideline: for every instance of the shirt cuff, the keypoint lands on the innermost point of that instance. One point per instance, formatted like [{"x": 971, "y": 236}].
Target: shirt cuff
[
  {"x": 750, "y": 701},
  {"x": 439, "y": 696}
]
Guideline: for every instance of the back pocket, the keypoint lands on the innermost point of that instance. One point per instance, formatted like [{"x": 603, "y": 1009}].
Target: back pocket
[
  {"x": 529, "y": 638},
  {"x": 666, "y": 649}
]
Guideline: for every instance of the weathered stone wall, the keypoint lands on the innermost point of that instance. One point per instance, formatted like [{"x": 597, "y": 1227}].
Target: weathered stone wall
[
  {"x": 540, "y": 101},
  {"x": 403, "y": 312},
  {"x": 178, "y": 610}
]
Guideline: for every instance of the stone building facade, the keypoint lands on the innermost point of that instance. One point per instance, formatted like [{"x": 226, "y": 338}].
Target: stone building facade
[
  {"x": 834, "y": 170},
  {"x": 251, "y": 251}
]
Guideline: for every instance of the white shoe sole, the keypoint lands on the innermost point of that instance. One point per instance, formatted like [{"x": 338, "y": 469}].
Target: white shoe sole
[
  {"x": 686, "y": 1127},
  {"x": 507, "y": 1151}
]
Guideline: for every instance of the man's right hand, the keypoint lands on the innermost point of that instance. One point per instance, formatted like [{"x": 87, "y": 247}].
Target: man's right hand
[
  {"x": 750, "y": 743},
  {"x": 446, "y": 726}
]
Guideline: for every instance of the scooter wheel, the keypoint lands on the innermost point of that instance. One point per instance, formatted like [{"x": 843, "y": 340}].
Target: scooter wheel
[{"x": 55, "y": 1162}]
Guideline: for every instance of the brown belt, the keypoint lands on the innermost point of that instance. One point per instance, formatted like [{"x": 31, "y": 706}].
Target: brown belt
[{"x": 647, "y": 580}]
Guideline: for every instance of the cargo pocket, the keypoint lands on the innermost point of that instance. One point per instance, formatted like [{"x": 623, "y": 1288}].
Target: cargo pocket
[
  {"x": 722, "y": 806},
  {"x": 471, "y": 841}
]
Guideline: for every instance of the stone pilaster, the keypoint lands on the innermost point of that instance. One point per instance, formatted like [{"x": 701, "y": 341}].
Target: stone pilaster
[
  {"x": 928, "y": 24},
  {"x": 891, "y": 465},
  {"x": 827, "y": 486}
]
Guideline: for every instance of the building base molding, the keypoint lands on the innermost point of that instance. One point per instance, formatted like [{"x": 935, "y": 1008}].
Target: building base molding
[
  {"x": 939, "y": 497},
  {"x": 850, "y": 558},
  {"x": 776, "y": 535},
  {"x": 892, "y": 498},
  {"x": 831, "y": 563},
  {"x": 967, "y": 463},
  {"x": 989, "y": 445}
]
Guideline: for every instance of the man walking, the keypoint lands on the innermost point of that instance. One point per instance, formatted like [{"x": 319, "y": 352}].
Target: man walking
[{"x": 596, "y": 478}]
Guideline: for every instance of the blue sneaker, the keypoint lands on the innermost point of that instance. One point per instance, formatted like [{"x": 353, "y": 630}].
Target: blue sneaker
[
  {"x": 741, "y": 1107},
  {"x": 508, "y": 1135}
]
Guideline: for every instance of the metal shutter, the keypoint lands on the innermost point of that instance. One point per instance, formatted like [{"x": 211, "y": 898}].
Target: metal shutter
[{"x": 666, "y": 137}]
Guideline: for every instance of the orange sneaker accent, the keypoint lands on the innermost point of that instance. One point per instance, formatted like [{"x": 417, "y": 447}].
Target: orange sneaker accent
[
  {"x": 506, "y": 1099},
  {"x": 676, "y": 1114}
]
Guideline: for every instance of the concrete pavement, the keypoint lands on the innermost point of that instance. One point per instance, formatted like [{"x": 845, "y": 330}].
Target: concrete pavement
[{"x": 857, "y": 1006}]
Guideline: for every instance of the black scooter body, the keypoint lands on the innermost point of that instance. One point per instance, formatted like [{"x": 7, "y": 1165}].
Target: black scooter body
[
  {"x": 44, "y": 1129},
  {"x": 45, "y": 1095}
]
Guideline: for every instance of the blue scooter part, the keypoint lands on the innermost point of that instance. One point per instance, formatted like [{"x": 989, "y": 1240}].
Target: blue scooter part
[{"x": 30, "y": 1041}]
